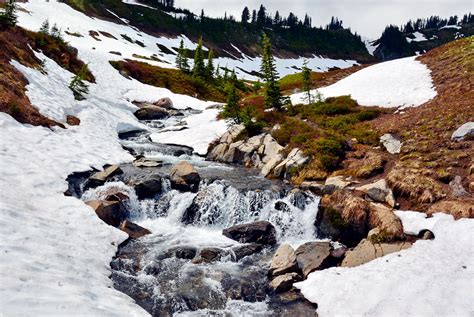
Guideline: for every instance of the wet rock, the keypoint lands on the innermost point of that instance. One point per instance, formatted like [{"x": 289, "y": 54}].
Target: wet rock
[
  {"x": 282, "y": 206},
  {"x": 99, "y": 178},
  {"x": 261, "y": 232},
  {"x": 241, "y": 251},
  {"x": 366, "y": 251},
  {"x": 144, "y": 162},
  {"x": 284, "y": 261},
  {"x": 165, "y": 103},
  {"x": 148, "y": 187},
  {"x": 457, "y": 188},
  {"x": 75, "y": 183},
  {"x": 182, "y": 252},
  {"x": 184, "y": 177},
  {"x": 312, "y": 256},
  {"x": 339, "y": 252},
  {"x": 118, "y": 196},
  {"x": 391, "y": 143},
  {"x": 208, "y": 255},
  {"x": 151, "y": 112},
  {"x": 284, "y": 283},
  {"x": 464, "y": 132},
  {"x": 133, "y": 230},
  {"x": 299, "y": 198},
  {"x": 271, "y": 148},
  {"x": 378, "y": 192},
  {"x": 111, "y": 212}
]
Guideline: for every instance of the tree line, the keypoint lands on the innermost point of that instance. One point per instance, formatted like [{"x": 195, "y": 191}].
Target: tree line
[{"x": 435, "y": 22}]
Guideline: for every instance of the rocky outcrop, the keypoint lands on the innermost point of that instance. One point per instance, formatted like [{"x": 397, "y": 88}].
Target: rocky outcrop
[
  {"x": 133, "y": 230},
  {"x": 378, "y": 192},
  {"x": 294, "y": 159},
  {"x": 99, "y": 178},
  {"x": 464, "y": 132},
  {"x": 110, "y": 212},
  {"x": 261, "y": 232},
  {"x": 367, "y": 251},
  {"x": 392, "y": 144},
  {"x": 312, "y": 256},
  {"x": 184, "y": 177},
  {"x": 283, "y": 261}
]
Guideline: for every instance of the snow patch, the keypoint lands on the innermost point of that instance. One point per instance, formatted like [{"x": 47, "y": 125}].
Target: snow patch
[{"x": 419, "y": 37}]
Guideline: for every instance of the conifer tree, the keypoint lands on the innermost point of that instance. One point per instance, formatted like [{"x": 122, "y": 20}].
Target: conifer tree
[
  {"x": 210, "y": 65},
  {"x": 182, "y": 58},
  {"x": 273, "y": 98},
  {"x": 8, "y": 17},
  {"x": 199, "y": 68},
  {"x": 231, "y": 110},
  {"x": 45, "y": 27},
  {"x": 78, "y": 85},
  {"x": 307, "y": 80},
  {"x": 245, "y": 15}
]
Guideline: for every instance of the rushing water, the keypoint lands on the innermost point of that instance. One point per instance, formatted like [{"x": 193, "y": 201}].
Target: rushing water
[{"x": 157, "y": 270}]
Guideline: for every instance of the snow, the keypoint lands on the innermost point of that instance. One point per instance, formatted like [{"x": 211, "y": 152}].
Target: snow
[
  {"x": 419, "y": 37},
  {"x": 433, "y": 278},
  {"x": 135, "y": 2},
  {"x": 402, "y": 83},
  {"x": 457, "y": 27},
  {"x": 370, "y": 45}
]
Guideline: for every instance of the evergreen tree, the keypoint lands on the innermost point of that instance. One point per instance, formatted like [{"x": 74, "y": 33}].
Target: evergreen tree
[
  {"x": 245, "y": 15},
  {"x": 277, "y": 19},
  {"x": 8, "y": 17},
  {"x": 261, "y": 15},
  {"x": 45, "y": 27},
  {"x": 199, "y": 68},
  {"x": 307, "y": 80},
  {"x": 210, "y": 65},
  {"x": 182, "y": 58},
  {"x": 273, "y": 96},
  {"x": 231, "y": 110},
  {"x": 254, "y": 16},
  {"x": 56, "y": 33},
  {"x": 78, "y": 85}
]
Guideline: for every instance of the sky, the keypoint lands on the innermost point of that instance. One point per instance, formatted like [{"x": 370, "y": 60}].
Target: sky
[{"x": 366, "y": 17}]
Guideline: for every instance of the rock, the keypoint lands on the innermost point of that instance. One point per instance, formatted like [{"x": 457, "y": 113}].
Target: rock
[
  {"x": 144, "y": 162},
  {"x": 285, "y": 282},
  {"x": 339, "y": 182},
  {"x": 457, "y": 208},
  {"x": 151, "y": 112},
  {"x": 232, "y": 133},
  {"x": 148, "y": 187},
  {"x": 271, "y": 148},
  {"x": 261, "y": 232},
  {"x": 100, "y": 178},
  {"x": 208, "y": 255},
  {"x": 241, "y": 251},
  {"x": 218, "y": 152},
  {"x": 385, "y": 219},
  {"x": 133, "y": 230},
  {"x": 378, "y": 192},
  {"x": 233, "y": 154},
  {"x": 312, "y": 256},
  {"x": 165, "y": 103},
  {"x": 282, "y": 206},
  {"x": 181, "y": 252},
  {"x": 118, "y": 196},
  {"x": 111, "y": 212},
  {"x": 270, "y": 165},
  {"x": 391, "y": 143},
  {"x": 184, "y": 177},
  {"x": 366, "y": 251},
  {"x": 426, "y": 235},
  {"x": 72, "y": 120},
  {"x": 339, "y": 252},
  {"x": 294, "y": 159},
  {"x": 370, "y": 165},
  {"x": 457, "y": 188},
  {"x": 464, "y": 132},
  {"x": 284, "y": 261}
]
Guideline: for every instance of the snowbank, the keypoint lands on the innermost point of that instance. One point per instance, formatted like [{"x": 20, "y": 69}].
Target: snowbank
[
  {"x": 399, "y": 83},
  {"x": 433, "y": 278}
]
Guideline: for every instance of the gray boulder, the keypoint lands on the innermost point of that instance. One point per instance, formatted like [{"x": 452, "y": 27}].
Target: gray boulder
[
  {"x": 284, "y": 261},
  {"x": 165, "y": 103},
  {"x": 151, "y": 112},
  {"x": 184, "y": 177},
  {"x": 464, "y": 132},
  {"x": 312, "y": 256},
  {"x": 284, "y": 283},
  {"x": 261, "y": 232},
  {"x": 391, "y": 143}
]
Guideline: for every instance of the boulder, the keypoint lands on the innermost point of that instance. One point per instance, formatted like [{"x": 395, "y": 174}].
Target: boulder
[
  {"x": 218, "y": 152},
  {"x": 233, "y": 154},
  {"x": 367, "y": 251},
  {"x": 232, "y": 133},
  {"x": 392, "y": 144},
  {"x": 148, "y": 187},
  {"x": 284, "y": 283},
  {"x": 208, "y": 255},
  {"x": 284, "y": 261},
  {"x": 144, "y": 162},
  {"x": 294, "y": 159},
  {"x": 457, "y": 188},
  {"x": 372, "y": 163},
  {"x": 241, "y": 251},
  {"x": 312, "y": 256},
  {"x": 181, "y": 252},
  {"x": 385, "y": 219},
  {"x": 111, "y": 212},
  {"x": 464, "y": 132},
  {"x": 270, "y": 165},
  {"x": 99, "y": 178},
  {"x": 184, "y": 177},
  {"x": 165, "y": 103},
  {"x": 133, "y": 230},
  {"x": 261, "y": 232},
  {"x": 338, "y": 182},
  {"x": 151, "y": 112},
  {"x": 270, "y": 149},
  {"x": 378, "y": 192}
]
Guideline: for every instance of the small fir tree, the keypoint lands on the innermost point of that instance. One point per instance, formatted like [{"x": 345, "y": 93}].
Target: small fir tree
[
  {"x": 231, "y": 110},
  {"x": 273, "y": 98},
  {"x": 8, "y": 18},
  {"x": 199, "y": 68},
  {"x": 78, "y": 85},
  {"x": 245, "y": 15},
  {"x": 307, "y": 80},
  {"x": 44, "y": 27},
  {"x": 210, "y": 65},
  {"x": 182, "y": 58}
]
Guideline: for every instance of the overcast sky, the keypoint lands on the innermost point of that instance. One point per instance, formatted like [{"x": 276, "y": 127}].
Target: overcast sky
[{"x": 366, "y": 17}]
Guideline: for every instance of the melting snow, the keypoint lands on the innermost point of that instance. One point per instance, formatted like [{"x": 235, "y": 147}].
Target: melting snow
[
  {"x": 403, "y": 82},
  {"x": 419, "y": 37},
  {"x": 433, "y": 278}
]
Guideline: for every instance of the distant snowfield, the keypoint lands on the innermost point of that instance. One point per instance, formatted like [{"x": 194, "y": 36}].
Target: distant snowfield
[
  {"x": 433, "y": 278},
  {"x": 404, "y": 82}
]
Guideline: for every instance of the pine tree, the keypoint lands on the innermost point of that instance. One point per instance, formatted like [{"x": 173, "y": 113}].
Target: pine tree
[
  {"x": 210, "y": 65},
  {"x": 199, "y": 69},
  {"x": 231, "y": 110},
  {"x": 45, "y": 27},
  {"x": 78, "y": 86},
  {"x": 245, "y": 15},
  {"x": 8, "y": 18},
  {"x": 307, "y": 80},
  {"x": 273, "y": 98},
  {"x": 182, "y": 58},
  {"x": 56, "y": 33}
]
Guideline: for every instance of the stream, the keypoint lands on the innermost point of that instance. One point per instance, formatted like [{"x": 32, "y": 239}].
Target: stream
[{"x": 160, "y": 271}]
